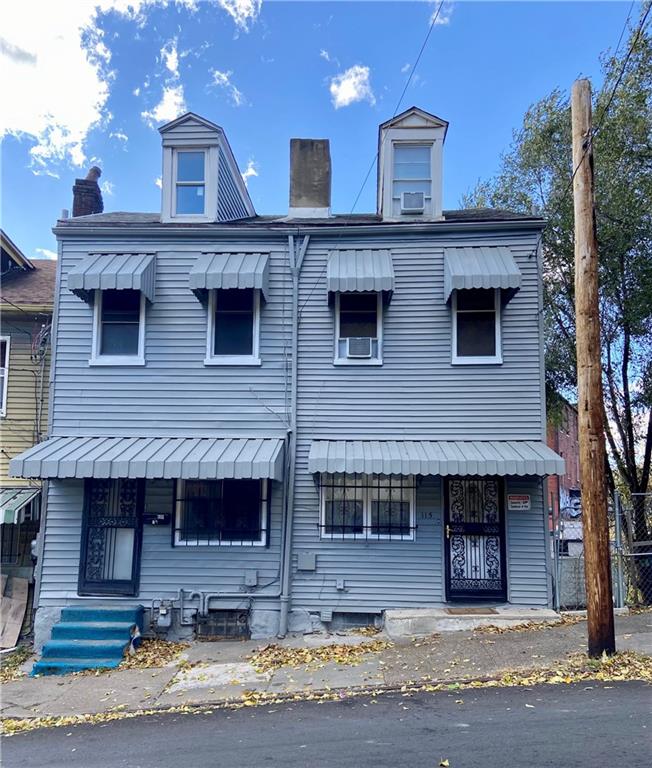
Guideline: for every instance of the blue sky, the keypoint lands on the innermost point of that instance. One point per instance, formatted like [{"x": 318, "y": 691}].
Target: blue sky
[{"x": 91, "y": 86}]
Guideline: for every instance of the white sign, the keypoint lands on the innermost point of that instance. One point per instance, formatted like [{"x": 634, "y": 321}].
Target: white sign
[{"x": 518, "y": 502}]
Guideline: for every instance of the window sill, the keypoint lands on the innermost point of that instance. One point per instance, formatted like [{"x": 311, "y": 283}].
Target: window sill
[
  {"x": 244, "y": 360},
  {"x": 364, "y": 537},
  {"x": 244, "y": 544},
  {"x": 374, "y": 361},
  {"x": 477, "y": 360},
  {"x": 117, "y": 361}
]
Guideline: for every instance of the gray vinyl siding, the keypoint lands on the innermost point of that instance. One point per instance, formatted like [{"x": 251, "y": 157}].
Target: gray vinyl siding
[
  {"x": 229, "y": 201},
  {"x": 527, "y": 577},
  {"x": 174, "y": 393},
  {"x": 164, "y": 568},
  {"x": 190, "y": 133}
]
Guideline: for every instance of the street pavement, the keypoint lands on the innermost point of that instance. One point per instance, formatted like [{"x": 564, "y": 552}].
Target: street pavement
[{"x": 585, "y": 725}]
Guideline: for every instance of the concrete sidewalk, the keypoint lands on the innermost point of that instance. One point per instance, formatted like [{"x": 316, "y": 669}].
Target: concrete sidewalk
[{"x": 211, "y": 672}]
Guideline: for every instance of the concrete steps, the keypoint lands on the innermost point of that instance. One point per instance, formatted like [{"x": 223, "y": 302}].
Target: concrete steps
[{"x": 89, "y": 637}]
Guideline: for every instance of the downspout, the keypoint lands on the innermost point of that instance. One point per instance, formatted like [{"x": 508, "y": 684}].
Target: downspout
[{"x": 296, "y": 260}]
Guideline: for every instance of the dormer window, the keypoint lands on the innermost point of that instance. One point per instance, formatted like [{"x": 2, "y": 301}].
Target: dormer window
[
  {"x": 190, "y": 183},
  {"x": 412, "y": 178}
]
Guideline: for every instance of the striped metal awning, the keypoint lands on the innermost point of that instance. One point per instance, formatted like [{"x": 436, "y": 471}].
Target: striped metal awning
[
  {"x": 12, "y": 500},
  {"x": 434, "y": 457},
  {"x": 480, "y": 267},
  {"x": 193, "y": 458},
  {"x": 360, "y": 270},
  {"x": 230, "y": 270},
  {"x": 117, "y": 271}
]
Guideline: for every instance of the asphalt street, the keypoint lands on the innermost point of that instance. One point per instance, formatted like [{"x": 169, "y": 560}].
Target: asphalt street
[{"x": 594, "y": 724}]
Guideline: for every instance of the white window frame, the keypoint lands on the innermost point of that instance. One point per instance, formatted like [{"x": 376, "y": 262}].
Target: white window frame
[
  {"x": 378, "y": 360},
  {"x": 4, "y": 364},
  {"x": 177, "y": 183},
  {"x": 127, "y": 360},
  {"x": 366, "y": 535},
  {"x": 211, "y": 357},
  {"x": 427, "y": 198},
  {"x": 264, "y": 502},
  {"x": 478, "y": 359},
  {"x": 169, "y": 184}
]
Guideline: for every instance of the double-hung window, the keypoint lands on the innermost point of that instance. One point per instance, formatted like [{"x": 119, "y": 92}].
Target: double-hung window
[
  {"x": 358, "y": 328},
  {"x": 221, "y": 513},
  {"x": 412, "y": 178},
  {"x": 476, "y": 326},
  {"x": 234, "y": 320},
  {"x": 4, "y": 373},
  {"x": 190, "y": 183},
  {"x": 119, "y": 333},
  {"x": 370, "y": 507}
]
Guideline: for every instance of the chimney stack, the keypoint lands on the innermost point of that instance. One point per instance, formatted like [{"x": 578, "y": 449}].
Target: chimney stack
[
  {"x": 86, "y": 195},
  {"x": 310, "y": 179}
]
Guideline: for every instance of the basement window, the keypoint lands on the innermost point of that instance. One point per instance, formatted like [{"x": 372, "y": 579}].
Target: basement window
[
  {"x": 229, "y": 513},
  {"x": 476, "y": 326}
]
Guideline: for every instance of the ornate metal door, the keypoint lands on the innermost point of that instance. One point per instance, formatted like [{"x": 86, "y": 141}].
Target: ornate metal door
[
  {"x": 111, "y": 535},
  {"x": 475, "y": 541}
]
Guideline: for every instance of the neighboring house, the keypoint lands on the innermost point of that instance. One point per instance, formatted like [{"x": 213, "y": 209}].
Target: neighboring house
[
  {"x": 270, "y": 422},
  {"x": 26, "y": 299},
  {"x": 564, "y": 493}
]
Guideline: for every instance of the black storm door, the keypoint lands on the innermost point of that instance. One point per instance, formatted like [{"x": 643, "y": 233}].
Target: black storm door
[
  {"x": 474, "y": 539},
  {"x": 111, "y": 537}
]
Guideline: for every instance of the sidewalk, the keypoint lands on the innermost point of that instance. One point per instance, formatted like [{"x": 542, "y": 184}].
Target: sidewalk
[{"x": 217, "y": 672}]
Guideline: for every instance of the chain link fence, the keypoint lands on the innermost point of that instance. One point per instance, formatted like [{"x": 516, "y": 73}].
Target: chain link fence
[{"x": 630, "y": 536}]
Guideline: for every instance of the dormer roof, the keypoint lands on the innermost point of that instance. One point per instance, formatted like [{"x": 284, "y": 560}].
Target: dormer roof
[
  {"x": 413, "y": 117},
  {"x": 192, "y": 118}
]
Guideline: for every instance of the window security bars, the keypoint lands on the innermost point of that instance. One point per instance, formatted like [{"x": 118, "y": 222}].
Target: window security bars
[
  {"x": 367, "y": 507},
  {"x": 222, "y": 513}
]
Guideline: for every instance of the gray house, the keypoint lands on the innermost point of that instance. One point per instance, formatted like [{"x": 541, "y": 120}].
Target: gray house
[{"x": 261, "y": 423}]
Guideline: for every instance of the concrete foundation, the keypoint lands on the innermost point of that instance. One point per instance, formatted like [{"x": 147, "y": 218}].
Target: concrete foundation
[{"x": 44, "y": 619}]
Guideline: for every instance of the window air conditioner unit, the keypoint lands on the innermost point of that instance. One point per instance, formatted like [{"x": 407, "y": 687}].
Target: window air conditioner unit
[
  {"x": 413, "y": 202},
  {"x": 358, "y": 346}
]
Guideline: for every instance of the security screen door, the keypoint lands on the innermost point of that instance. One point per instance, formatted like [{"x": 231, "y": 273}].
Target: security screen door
[
  {"x": 111, "y": 536},
  {"x": 474, "y": 536}
]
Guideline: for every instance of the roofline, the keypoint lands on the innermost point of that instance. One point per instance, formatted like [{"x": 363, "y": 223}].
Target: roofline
[
  {"x": 8, "y": 308},
  {"x": 238, "y": 175},
  {"x": 14, "y": 251},
  {"x": 187, "y": 116},
  {"x": 165, "y": 230},
  {"x": 414, "y": 108}
]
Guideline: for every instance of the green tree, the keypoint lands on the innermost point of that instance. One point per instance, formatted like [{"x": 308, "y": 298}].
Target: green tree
[{"x": 535, "y": 176}]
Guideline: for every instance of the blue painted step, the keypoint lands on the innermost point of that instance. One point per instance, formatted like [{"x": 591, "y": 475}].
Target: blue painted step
[
  {"x": 83, "y": 649},
  {"x": 92, "y": 630},
  {"x": 91, "y": 636},
  {"x": 66, "y": 666}
]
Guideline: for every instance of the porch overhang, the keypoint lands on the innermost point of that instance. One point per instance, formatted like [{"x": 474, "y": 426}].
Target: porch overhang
[
  {"x": 114, "y": 271},
  {"x": 360, "y": 270},
  {"x": 193, "y": 458},
  {"x": 435, "y": 457},
  {"x": 480, "y": 267},
  {"x": 230, "y": 270},
  {"x": 12, "y": 500}
]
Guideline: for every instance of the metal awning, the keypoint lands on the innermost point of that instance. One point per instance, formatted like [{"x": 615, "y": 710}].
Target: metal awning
[
  {"x": 360, "y": 270},
  {"x": 434, "y": 457},
  {"x": 12, "y": 500},
  {"x": 480, "y": 267},
  {"x": 193, "y": 458},
  {"x": 230, "y": 270},
  {"x": 117, "y": 271}
]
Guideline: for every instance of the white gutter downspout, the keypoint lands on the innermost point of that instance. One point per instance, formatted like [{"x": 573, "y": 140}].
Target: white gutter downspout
[{"x": 296, "y": 260}]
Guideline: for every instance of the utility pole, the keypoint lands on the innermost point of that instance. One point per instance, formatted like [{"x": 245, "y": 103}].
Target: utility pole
[{"x": 597, "y": 569}]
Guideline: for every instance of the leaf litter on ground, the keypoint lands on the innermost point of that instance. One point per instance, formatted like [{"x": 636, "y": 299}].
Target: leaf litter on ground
[{"x": 271, "y": 657}]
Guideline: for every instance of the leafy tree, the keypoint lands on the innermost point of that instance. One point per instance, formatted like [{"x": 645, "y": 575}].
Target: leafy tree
[{"x": 535, "y": 176}]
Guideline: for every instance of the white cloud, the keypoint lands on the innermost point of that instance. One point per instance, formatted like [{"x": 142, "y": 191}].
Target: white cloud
[
  {"x": 443, "y": 18},
  {"x": 243, "y": 12},
  {"x": 119, "y": 135},
  {"x": 223, "y": 80},
  {"x": 159, "y": 182},
  {"x": 170, "y": 57},
  {"x": 406, "y": 68},
  {"x": 351, "y": 86},
  {"x": 108, "y": 188},
  {"x": 171, "y": 105},
  {"x": 136, "y": 91},
  {"x": 250, "y": 171},
  {"x": 46, "y": 253},
  {"x": 324, "y": 54}
]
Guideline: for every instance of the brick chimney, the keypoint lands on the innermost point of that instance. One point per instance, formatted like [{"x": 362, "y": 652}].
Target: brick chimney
[
  {"x": 310, "y": 179},
  {"x": 86, "y": 195}
]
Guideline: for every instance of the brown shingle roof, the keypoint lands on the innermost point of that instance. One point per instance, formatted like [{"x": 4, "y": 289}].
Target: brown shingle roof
[{"x": 33, "y": 287}]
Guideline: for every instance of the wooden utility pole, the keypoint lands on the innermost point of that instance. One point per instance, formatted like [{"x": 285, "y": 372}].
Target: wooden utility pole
[{"x": 597, "y": 569}]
